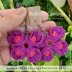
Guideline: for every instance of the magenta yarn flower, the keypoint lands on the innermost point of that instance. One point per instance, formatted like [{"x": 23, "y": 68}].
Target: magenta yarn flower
[
  {"x": 33, "y": 55},
  {"x": 47, "y": 54},
  {"x": 17, "y": 45},
  {"x": 37, "y": 39},
  {"x": 18, "y": 53},
  {"x": 57, "y": 32},
  {"x": 61, "y": 48},
  {"x": 49, "y": 41},
  {"x": 15, "y": 37},
  {"x": 36, "y": 45}
]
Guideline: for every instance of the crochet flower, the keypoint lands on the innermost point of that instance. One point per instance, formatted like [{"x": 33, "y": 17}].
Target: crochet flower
[
  {"x": 49, "y": 41},
  {"x": 57, "y": 32},
  {"x": 33, "y": 55},
  {"x": 37, "y": 39},
  {"x": 18, "y": 53},
  {"x": 61, "y": 48},
  {"x": 47, "y": 54},
  {"x": 15, "y": 37},
  {"x": 36, "y": 45},
  {"x": 17, "y": 45}
]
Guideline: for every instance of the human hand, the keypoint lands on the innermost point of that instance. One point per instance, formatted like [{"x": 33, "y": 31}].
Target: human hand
[
  {"x": 70, "y": 4},
  {"x": 11, "y": 19}
]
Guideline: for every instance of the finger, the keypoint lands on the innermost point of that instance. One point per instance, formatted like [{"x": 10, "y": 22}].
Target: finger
[
  {"x": 11, "y": 21},
  {"x": 4, "y": 41},
  {"x": 44, "y": 16},
  {"x": 44, "y": 26},
  {"x": 5, "y": 54},
  {"x": 1, "y": 62},
  {"x": 48, "y": 24},
  {"x": 6, "y": 12}
]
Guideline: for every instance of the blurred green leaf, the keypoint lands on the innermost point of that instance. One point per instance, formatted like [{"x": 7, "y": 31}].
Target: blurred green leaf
[
  {"x": 67, "y": 55},
  {"x": 69, "y": 28},
  {"x": 69, "y": 61},
  {"x": 28, "y": 2},
  {"x": 71, "y": 34},
  {"x": 20, "y": 62},
  {"x": 13, "y": 63},
  {"x": 40, "y": 63},
  {"x": 54, "y": 62},
  {"x": 70, "y": 46},
  {"x": 6, "y": 4},
  {"x": 68, "y": 39},
  {"x": 59, "y": 3},
  {"x": 25, "y": 62}
]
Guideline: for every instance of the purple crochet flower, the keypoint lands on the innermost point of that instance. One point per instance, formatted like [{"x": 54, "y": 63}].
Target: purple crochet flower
[
  {"x": 37, "y": 39},
  {"x": 61, "y": 48},
  {"x": 28, "y": 45},
  {"x": 18, "y": 53},
  {"x": 57, "y": 32},
  {"x": 33, "y": 55},
  {"x": 15, "y": 37},
  {"x": 17, "y": 45},
  {"x": 49, "y": 41},
  {"x": 47, "y": 54}
]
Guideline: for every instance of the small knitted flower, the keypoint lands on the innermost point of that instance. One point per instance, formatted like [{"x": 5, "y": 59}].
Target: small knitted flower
[
  {"x": 17, "y": 45},
  {"x": 37, "y": 38},
  {"x": 49, "y": 41},
  {"x": 33, "y": 55},
  {"x": 18, "y": 53},
  {"x": 47, "y": 54},
  {"x": 36, "y": 46},
  {"x": 15, "y": 37},
  {"x": 57, "y": 32},
  {"x": 61, "y": 48}
]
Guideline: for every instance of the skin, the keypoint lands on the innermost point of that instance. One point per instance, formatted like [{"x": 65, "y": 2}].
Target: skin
[
  {"x": 10, "y": 19},
  {"x": 70, "y": 4}
]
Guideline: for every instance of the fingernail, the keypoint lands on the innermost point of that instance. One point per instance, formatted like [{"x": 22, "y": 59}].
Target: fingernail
[{"x": 21, "y": 11}]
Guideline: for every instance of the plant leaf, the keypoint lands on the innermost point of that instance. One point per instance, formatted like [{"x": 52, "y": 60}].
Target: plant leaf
[
  {"x": 6, "y": 4},
  {"x": 71, "y": 34},
  {"x": 69, "y": 62},
  {"x": 69, "y": 28},
  {"x": 54, "y": 62},
  {"x": 13, "y": 63},
  {"x": 70, "y": 46},
  {"x": 25, "y": 62},
  {"x": 40, "y": 63},
  {"x": 28, "y": 2},
  {"x": 60, "y": 3}
]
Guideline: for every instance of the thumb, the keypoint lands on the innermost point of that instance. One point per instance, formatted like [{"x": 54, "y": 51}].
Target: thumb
[{"x": 12, "y": 20}]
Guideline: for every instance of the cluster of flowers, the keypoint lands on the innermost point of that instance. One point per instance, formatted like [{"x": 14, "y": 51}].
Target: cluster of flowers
[{"x": 37, "y": 46}]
